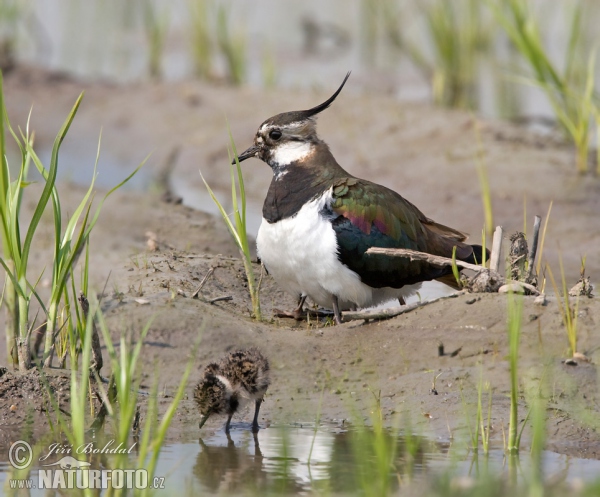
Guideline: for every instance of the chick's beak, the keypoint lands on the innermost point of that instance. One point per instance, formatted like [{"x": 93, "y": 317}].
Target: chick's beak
[
  {"x": 246, "y": 154},
  {"x": 203, "y": 420}
]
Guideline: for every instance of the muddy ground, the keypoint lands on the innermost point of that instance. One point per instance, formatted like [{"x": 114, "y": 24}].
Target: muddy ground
[{"x": 425, "y": 153}]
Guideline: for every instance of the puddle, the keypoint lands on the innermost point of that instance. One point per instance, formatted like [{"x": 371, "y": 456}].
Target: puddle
[{"x": 297, "y": 460}]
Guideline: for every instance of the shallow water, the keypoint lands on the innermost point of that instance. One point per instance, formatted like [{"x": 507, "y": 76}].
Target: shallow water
[{"x": 299, "y": 460}]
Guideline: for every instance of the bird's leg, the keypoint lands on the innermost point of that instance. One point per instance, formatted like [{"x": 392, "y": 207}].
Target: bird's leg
[
  {"x": 401, "y": 300},
  {"x": 337, "y": 317},
  {"x": 298, "y": 312},
  {"x": 228, "y": 424},
  {"x": 255, "y": 426}
]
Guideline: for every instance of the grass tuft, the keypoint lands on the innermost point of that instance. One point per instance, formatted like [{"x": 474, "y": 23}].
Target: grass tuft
[
  {"x": 237, "y": 227},
  {"x": 568, "y": 311},
  {"x": 570, "y": 95},
  {"x": 68, "y": 242}
]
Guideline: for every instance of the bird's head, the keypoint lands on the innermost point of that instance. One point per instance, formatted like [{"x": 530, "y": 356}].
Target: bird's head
[
  {"x": 213, "y": 393},
  {"x": 289, "y": 137}
]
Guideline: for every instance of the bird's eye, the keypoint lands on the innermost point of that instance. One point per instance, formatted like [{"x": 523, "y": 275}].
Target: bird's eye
[{"x": 275, "y": 134}]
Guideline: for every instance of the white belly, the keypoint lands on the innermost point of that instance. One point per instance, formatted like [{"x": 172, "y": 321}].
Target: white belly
[{"x": 302, "y": 255}]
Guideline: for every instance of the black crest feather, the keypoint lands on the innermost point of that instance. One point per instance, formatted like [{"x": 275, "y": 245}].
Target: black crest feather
[{"x": 321, "y": 107}]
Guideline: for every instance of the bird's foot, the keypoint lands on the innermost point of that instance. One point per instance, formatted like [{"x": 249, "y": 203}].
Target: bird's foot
[
  {"x": 255, "y": 427},
  {"x": 297, "y": 314}
]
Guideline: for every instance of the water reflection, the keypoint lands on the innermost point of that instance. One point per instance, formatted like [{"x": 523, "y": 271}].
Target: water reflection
[
  {"x": 227, "y": 468},
  {"x": 276, "y": 459},
  {"x": 296, "y": 459}
]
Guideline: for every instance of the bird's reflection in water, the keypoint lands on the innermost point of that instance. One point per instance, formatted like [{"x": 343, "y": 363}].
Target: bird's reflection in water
[
  {"x": 225, "y": 465},
  {"x": 227, "y": 468}
]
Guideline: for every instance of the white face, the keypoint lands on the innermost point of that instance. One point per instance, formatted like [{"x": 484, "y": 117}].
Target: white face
[
  {"x": 291, "y": 151},
  {"x": 285, "y": 145}
]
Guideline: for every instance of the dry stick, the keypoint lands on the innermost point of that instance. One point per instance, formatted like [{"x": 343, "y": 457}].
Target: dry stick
[
  {"x": 414, "y": 255},
  {"x": 220, "y": 299},
  {"x": 203, "y": 282},
  {"x": 394, "y": 311},
  {"x": 96, "y": 362},
  {"x": 533, "y": 249},
  {"x": 496, "y": 249},
  {"x": 437, "y": 260}
]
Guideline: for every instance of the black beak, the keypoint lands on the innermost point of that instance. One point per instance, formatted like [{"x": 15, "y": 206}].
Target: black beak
[
  {"x": 246, "y": 154},
  {"x": 203, "y": 420}
]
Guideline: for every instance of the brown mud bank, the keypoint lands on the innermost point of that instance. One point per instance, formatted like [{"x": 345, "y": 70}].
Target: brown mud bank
[{"x": 157, "y": 253}]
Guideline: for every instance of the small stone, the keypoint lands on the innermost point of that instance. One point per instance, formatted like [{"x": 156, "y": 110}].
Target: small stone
[
  {"x": 578, "y": 356},
  {"x": 540, "y": 300},
  {"x": 13, "y": 408},
  {"x": 511, "y": 287}
]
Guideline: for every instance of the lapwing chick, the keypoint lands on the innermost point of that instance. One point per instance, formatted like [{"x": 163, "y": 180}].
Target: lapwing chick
[
  {"x": 319, "y": 221},
  {"x": 239, "y": 377}
]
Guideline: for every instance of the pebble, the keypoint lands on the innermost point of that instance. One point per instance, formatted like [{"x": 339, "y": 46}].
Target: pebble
[{"x": 511, "y": 287}]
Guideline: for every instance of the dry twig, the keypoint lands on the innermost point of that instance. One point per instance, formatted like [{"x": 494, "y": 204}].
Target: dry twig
[
  {"x": 203, "y": 282},
  {"x": 381, "y": 314},
  {"x": 414, "y": 255}
]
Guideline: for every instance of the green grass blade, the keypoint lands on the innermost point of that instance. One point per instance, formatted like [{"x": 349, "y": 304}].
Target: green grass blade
[
  {"x": 168, "y": 416},
  {"x": 33, "y": 293},
  {"x": 55, "y": 203},
  {"x": 455, "y": 270},
  {"x": 4, "y": 171},
  {"x": 574, "y": 36},
  {"x": 69, "y": 259},
  {"x": 239, "y": 174},
  {"x": 224, "y": 214},
  {"x": 13, "y": 279},
  {"x": 41, "y": 205}
]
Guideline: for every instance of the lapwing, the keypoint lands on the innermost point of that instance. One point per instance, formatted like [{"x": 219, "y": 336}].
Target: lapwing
[
  {"x": 319, "y": 221},
  {"x": 239, "y": 377}
]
